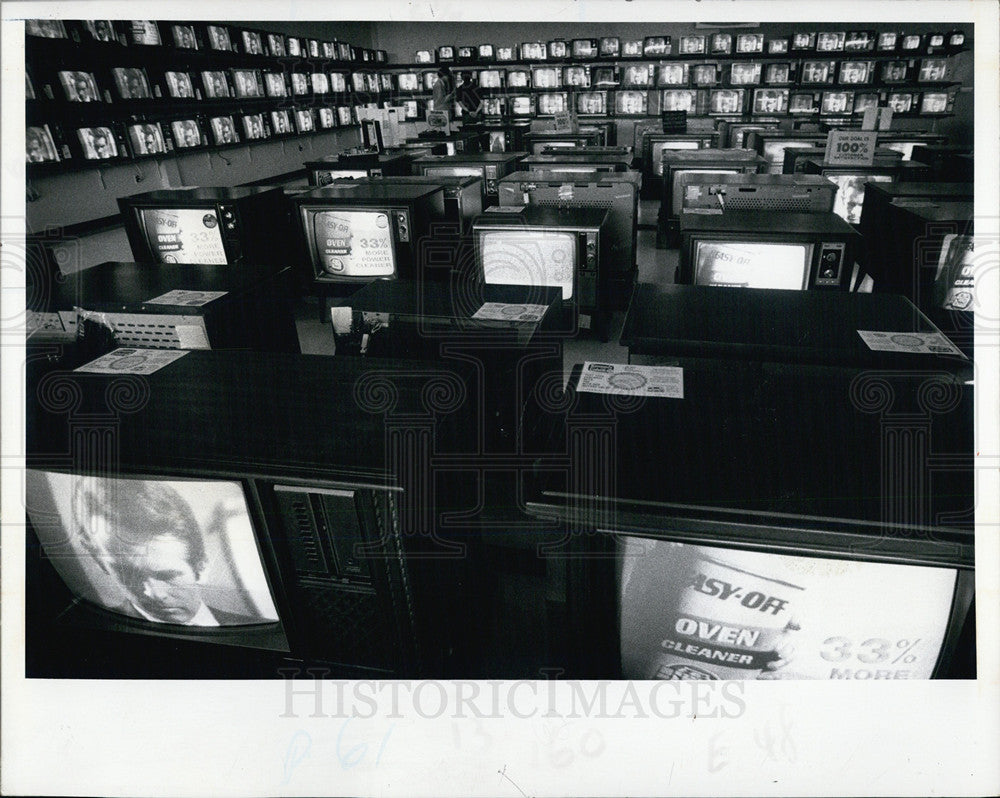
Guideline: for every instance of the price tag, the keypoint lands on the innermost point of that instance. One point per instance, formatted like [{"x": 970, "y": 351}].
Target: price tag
[
  {"x": 562, "y": 123},
  {"x": 851, "y": 147}
]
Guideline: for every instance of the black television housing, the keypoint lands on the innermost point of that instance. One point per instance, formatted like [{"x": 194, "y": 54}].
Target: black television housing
[
  {"x": 798, "y": 193},
  {"x": 796, "y": 157},
  {"x": 829, "y": 248},
  {"x": 246, "y": 224},
  {"x": 162, "y": 306},
  {"x": 389, "y": 220},
  {"x": 325, "y": 170},
  {"x": 708, "y": 161},
  {"x": 745, "y": 487},
  {"x": 334, "y": 522},
  {"x": 488, "y": 166},
  {"x": 536, "y": 140},
  {"x": 618, "y": 192},
  {"x": 653, "y": 145},
  {"x": 583, "y": 231}
]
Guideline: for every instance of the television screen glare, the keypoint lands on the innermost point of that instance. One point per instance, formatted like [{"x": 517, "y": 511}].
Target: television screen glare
[
  {"x": 170, "y": 552},
  {"x": 752, "y": 264},
  {"x": 850, "y": 195},
  {"x": 529, "y": 257},
  {"x": 184, "y": 235},
  {"x": 352, "y": 243},
  {"x": 672, "y": 627}
]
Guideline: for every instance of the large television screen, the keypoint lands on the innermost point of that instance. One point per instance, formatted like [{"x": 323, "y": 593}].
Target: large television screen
[
  {"x": 529, "y": 257},
  {"x": 172, "y": 552},
  {"x": 351, "y": 243},
  {"x": 850, "y": 196},
  {"x": 184, "y": 235},
  {"x": 752, "y": 264},
  {"x": 704, "y": 612}
]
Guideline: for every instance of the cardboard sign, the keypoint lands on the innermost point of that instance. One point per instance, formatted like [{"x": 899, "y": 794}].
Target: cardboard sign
[
  {"x": 850, "y": 147},
  {"x": 563, "y": 123}
]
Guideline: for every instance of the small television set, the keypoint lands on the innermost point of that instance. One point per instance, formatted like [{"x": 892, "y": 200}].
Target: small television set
[
  {"x": 491, "y": 78},
  {"x": 533, "y": 51},
  {"x": 609, "y": 47},
  {"x": 305, "y": 120},
  {"x": 179, "y": 85},
  {"x": 745, "y": 74},
  {"x": 618, "y": 192},
  {"x": 102, "y": 143},
  {"x": 912, "y": 43},
  {"x": 485, "y": 52},
  {"x": 420, "y": 57},
  {"x": 770, "y": 101},
  {"x": 494, "y": 107},
  {"x": 705, "y": 74},
  {"x": 902, "y": 102},
  {"x": 576, "y": 77},
  {"x": 708, "y": 161},
  {"x": 546, "y": 77},
  {"x": 584, "y": 48},
  {"x": 856, "y": 73},
  {"x": 558, "y": 48},
  {"x": 744, "y": 248},
  {"x": 631, "y": 103},
  {"x": 726, "y": 102},
  {"x": 223, "y": 130},
  {"x": 254, "y": 128},
  {"x": 777, "y": 46},
  {"x": 779, "y": 74},
  {"x": 253, "y": 44},
  {"x": 685, "y": 100},
  {"x": 956, "y": 41},
  {"x": 39, "y": 144},
  {"x": 186, "y": 134},
  {"x": 656, "y": 45},
  {"x": 219, "y": 38},
  {"x": 605, "y": 76},
  {"x": 721, "y": 44},
  {"x": 270, "y": 565},
  {"x": 817, "y": 72},
  {"x": 750, "y": 43},
  {"x": 521, "y": 105},
  {"x": 80, "y": 87},
  {"x": 692, "y": 45},
  {"x": 505, "y": 54},
  {"x": 863, "y": 100},
  {"x": 346, "y": 53},
  {"x": 281, "y": 121},
  {"x": 338, "y": 82},
  {"x": 735, "y": 135},
  {"x": 274, "y": 84},
  {"x": 837, "y": 103},
  {"x": 518, "y": 78},
  {"x": 550, "y": 103},
  {"x": 296, "y": 47},
  {"x": 300, "y": 84},
  {"x": 320, "y": 83},
  {"x": 146, "y": 139},
  {"x": 132, "y": 83},
  {"x": 803, "y": 41},
  {"x": 352, "y": 234},
  {"x": 213, "y": 226},
  {"x": 541, "y": 246},
  {"x": 487, "y": 166},
  {"x": 934, "y": 70},
  {"x": 445, "y": 54},
  {"x": 465, "y": 55},
  {"x": 329, "y": 49},
  {"x": 408, "y": 81},
  {"x": 637, "y": 75},
  {"x": 250, "y": 83},
  {"x": 887, "y": 42},
  {"x": 632, "y": 48},
  {"x": 936, "y": 43},
  {"x": 859, "y": 41},
  {"x": 313, "y": 48},
  {"x": 429, "y": 79},
  {"x": 592, "y": 102},
  {"x": 893, "y": 72},
  {"x": 804, "y": 102},
  {"x": 276, "y": 46},
  {"x": 672, "y": 75},
  {"x": 851, "y": 183},
  {"x": 830, "y": 42},
  {"x": 936, "y": 102}
]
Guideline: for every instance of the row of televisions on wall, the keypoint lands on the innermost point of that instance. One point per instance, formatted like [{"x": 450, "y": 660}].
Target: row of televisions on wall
[
  {"x": 199, "y": 36},
  {"x": 857, "y": 41},
  {"x": 742, "y": 73},
  {"x": 135, "y": 83},
  {"x": 113, "y": 141},
  {"x": 721, "y": 102}
]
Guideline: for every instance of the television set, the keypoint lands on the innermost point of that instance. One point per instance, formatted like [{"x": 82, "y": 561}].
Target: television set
[
  {"x": 721, "y": 44},
  {"x": 485, "y": 52},
  {"x": 803, "y": 41},
  {"x": 804, "y": 102},
  {"x": 463, "y": 195},
  {"x": 736, "y": 134},
  {"x": 655, "y": 144},
  {"x": 550, "y": 103},
  {"x": 618, "y": 192},
  {"x": 250, "y": 83},
  {"x": 708, "y": 161},
  {"x": 338, "y": 82},
  {"x": 270, "y": 566},
  {"x": 672, "y": 75},
  {"x": 178, "y": 306},
  {"x": 505, "y": 54},
  {"x": 685, "y": 100},
  {"x": 745, "y": 248},
  {"x": 445, "y": 54},
  {"x": 352, "y": 234},
  {"x": 726, "y": 102},
  {"x": 576, "y": 77},
  {"x": 80, "y": 87},
  {"x": 521, "y": 105},
  {"x": 750, "y": 43},
  {"x": 610, "y": 47},
  {"x": 830, "y": 42},
  {"x": 584, "y": 48},
  {"x": 856, "y": 73},
  {"x": 408, "y": 81},
  {"x": 912, "y": 43},
  {"x": 745, "y": 74},
  {"x": 817, "y": 72},
  {"x": 40, "y": 145},
  {"x": 936, "y": 102},
  {"x": 281, "y": 121},
  {"x": 491, "y": 78},
  {"x": 546, "y": 77},
  {"x": 216, "y": 84},
  {"x": 708, "y": 193},
  {"x": 558, "y": 49},
  {"x": 630, "y": 103},
  {"x": 851, "y": 183},
  {"x": 207, "y": 225},
  {"x": 631, "y": 48},
  {"x": 770, "y": 101},
  {"x": 656, "y": 45},
  {"x": 102, "y": 143},
  {"x": 325, "y": 170},
  {"x": 146, "y": 139},
  {"x": 704, "y": 74},
  {"x": 605, "y": 76},
  {"x": 533, "y": 51},
  {"x": 223, "y": 130},
  {"x": 778, "y": 74},
  {"x": 422, "y": 57},
  {"x": 465, "y": 55},
  {"x": 487, "y": 166},
  {"x": 186, "y": 134},
  {"x": 565, "y": 248},
  {"x": 836, "y": 103},
  {"x": 592, "y": 102},
  {"x": 771, "y": 144},
  {"x": 518, "y": 78},
  {"x": 320, "y": 83},
  {"x": 637, "y": 75},
  {"x": 777, "y": 46},
  {"x": 692, "y": 45}
]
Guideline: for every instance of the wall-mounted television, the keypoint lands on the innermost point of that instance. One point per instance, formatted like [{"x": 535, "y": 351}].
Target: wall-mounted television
[
  {"x": 584, "y": 48},
  {"x": 630, "y": 103},
  {"x": 546, "y": 77},
  {"x": 206, "y": 225},
  {"x": 679, "y": 100}
]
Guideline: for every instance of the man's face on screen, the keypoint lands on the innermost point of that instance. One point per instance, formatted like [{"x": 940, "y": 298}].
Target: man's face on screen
[{"x": 160, "y": 579}]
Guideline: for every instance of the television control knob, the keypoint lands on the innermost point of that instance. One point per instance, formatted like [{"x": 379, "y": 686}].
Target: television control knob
[{"x": 230, "y": 225}]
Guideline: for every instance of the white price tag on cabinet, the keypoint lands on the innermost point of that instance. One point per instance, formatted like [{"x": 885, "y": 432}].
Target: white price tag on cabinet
[
  {"x": 666, "y": 382},
  {"x": 192, "y": 299},
  {"x": 917, "y": 342},
  {"x": 133, "y": 361}
]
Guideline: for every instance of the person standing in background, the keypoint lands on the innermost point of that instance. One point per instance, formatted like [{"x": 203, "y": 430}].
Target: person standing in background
[
  {"x": 470, "y": 98},
  {"x": 444, "y": 90}
]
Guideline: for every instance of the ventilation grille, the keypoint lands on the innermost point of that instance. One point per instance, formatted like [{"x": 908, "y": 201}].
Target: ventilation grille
[
  {"x": 363, "y": 636},
  {"x": 576, "y": 200},
  {"x": 736, "y": 202},
  {"x": 150, "y": 331}
]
